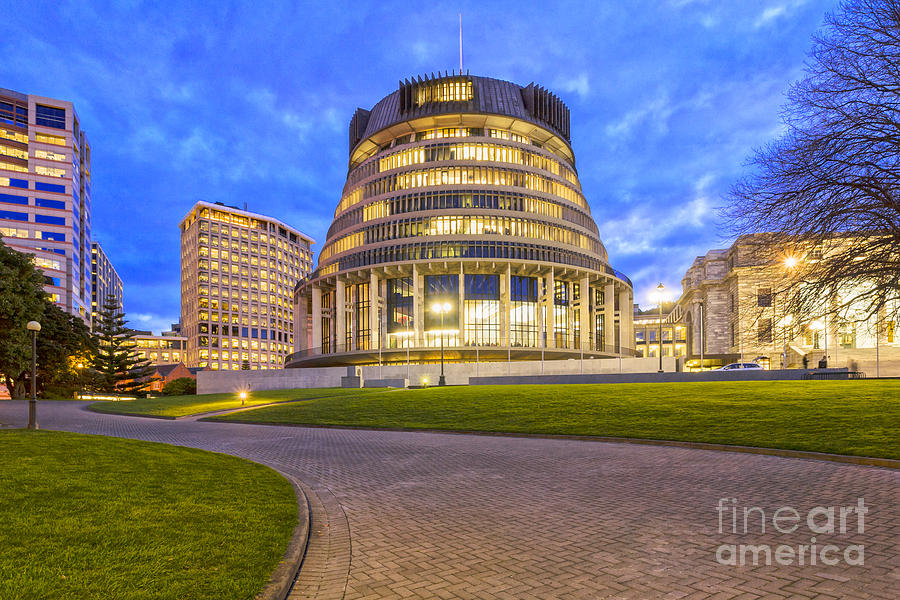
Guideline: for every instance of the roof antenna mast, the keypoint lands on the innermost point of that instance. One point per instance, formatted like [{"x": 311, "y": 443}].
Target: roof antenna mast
[{"x": 460, "y": 44}]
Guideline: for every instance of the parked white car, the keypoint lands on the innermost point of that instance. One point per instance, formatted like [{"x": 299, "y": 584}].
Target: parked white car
[{"x": 741, "y": 367}]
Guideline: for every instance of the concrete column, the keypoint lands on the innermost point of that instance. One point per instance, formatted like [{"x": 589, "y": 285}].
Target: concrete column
[
  {"x": 626, "y": 317},
  {"x": 350, "y": 311},
  {"x": 505, "y": 290},
  {"x": 585, "y": 314},
  {"x": 540, "y": 315},
  {"x": 316, "y": 341},
  {"x": 301, "y": 334},
  {"x": 418, "y": 307},
  {"x": 609, "y": 317},
  {"x": 551, "y": 340},
  {"x": 374, "y": 324},
  {"x": 460, "y": 313},
  {"x": 340, "y": 315}
]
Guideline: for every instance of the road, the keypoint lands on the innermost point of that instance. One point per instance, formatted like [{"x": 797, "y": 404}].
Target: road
[{"x": 428, "y": 515}]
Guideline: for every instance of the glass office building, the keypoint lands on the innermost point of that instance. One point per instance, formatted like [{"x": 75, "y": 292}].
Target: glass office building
[
  {"x": 238, "y": 272},
  {"x": 45, "y": 194},
  {"x": 462, "y": 223}
]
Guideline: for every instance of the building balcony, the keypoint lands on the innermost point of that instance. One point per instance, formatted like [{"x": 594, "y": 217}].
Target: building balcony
[{"x": 403, "y": 349}]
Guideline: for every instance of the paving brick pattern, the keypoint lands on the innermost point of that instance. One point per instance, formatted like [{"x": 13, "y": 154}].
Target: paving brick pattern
[{"x": 422, "y": 515}]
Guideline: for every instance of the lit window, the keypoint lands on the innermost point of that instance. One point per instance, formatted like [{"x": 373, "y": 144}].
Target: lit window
[
  {"x": 14, "y": 152},
  {"x": 50, "y": 139},
  {"x": 47, "y": 155}
]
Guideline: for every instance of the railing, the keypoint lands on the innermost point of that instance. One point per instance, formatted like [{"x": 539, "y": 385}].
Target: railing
[{"x": 400, "y": 346}]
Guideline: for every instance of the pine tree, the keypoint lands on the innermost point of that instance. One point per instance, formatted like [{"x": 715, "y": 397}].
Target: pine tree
[{"x": 120, "y": 368}]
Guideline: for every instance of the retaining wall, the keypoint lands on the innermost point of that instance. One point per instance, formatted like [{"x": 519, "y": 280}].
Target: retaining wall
[{"x": 209, "y": 382}]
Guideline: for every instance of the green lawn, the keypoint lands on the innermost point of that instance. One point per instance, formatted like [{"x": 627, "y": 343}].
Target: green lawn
[
  {"x": 180, "y": 406},
  {"x": 843, "y": 417},
  {"x": 91, "y": 517}
]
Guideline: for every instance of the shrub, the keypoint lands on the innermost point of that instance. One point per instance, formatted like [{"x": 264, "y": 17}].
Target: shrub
[{"x": 183, "y": 386}]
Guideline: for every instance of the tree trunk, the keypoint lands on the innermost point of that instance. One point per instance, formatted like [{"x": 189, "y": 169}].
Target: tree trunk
[{"x": 18, "y": 389}]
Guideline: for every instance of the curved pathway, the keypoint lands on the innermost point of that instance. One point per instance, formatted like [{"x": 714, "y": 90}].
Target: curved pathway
[{"x": 425, "y": 515}]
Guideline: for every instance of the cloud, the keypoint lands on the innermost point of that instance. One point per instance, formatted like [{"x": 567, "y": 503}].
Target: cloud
[
  {"x": 150, "y": 322},
  {"x": 579, "y": 85},
  {"x": 643, "y": 229},
  {"x": 652, "y": 115},
  {"x": 772, "y": 13}
]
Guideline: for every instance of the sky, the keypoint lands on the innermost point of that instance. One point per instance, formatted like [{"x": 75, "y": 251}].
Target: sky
[{"x": 249, "y": 102}]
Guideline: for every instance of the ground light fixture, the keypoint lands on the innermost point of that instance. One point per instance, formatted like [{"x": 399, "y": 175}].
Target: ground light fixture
[
  {"x": 243, "y": 397},
  {"x": 442, "y": 308},
  {"x": 33, "y": 327}
]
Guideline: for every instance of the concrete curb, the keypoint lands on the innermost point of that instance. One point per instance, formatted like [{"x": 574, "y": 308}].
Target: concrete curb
[
  {"x": 282, "y": 579},
  {"x": 867, "y": 461}
]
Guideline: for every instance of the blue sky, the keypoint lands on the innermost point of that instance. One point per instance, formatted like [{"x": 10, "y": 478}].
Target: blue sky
[{"x": 249, "y": 102}]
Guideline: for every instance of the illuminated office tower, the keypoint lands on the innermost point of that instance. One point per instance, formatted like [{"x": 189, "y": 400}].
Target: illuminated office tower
[
  {"x": 462, "y": 225},
  {"x": 105, "y": 282},
  {"x": 238, "y": 272},
  {"x": 45, "y": 193}
]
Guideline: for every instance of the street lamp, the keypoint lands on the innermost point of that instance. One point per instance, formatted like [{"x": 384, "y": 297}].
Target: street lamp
[
  {"x": 660, "y": 289},
  {"x": 243, "y": 397},
  {"x": 80, "y": 392},
  {"x": 786, "y": 323},
  {"x": 442, "y": 308},
  {"x": 33, "y": 327}
]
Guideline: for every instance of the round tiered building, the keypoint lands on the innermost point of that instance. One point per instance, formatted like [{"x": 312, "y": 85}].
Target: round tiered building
[{"x": 462, "y": 223}]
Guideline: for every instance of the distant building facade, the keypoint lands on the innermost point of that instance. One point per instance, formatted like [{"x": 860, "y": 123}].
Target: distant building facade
[
  {"x": 166, "y": 348},
  {"x": 647, "y": 333},
  {"x": 238, "y": 272},
  {"x": 163, "y": 374},
  {"x": 733, "y": 305},
  {"x": 105, "y": 282},
  {"x": 45, "y": 193}
]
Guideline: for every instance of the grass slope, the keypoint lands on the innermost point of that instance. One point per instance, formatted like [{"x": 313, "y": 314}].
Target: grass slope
[
  {"x": 181, "y": 406},
  {"x": 844, "y": 417},
  {"x": 90, "y": 517}
]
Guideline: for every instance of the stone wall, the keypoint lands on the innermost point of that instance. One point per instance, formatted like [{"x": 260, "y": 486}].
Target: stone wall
[
  {"x": 209, "y": 382},
  {"x": 212, "y": 382}
]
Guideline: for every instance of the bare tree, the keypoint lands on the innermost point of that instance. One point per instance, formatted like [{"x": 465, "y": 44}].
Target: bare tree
[{"x": 829, "y": 189}]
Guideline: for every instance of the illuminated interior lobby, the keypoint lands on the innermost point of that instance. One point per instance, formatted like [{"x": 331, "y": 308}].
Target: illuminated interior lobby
[{"x": 462, "y": 224}]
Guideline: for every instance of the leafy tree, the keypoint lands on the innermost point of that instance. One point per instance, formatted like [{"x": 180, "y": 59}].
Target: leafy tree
[
  {"x": 830, "y": 186},
  {"x": 63, "y": 343},
  {"x": 119, "y": 367},
  {"x": 183, "y": 386},
  {"x": 245, "y": 366},
  {"x": 22, "y": 299}
]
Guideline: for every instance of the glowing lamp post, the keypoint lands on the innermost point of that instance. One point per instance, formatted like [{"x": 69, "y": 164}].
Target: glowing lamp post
[
  {"x": 80, "y": 368},
  {"x": 786, "y": 323},
  {"x": 243, "y": 397},
  {"x": 442, "y": 308},
  {"x": 33, "y": 327}
]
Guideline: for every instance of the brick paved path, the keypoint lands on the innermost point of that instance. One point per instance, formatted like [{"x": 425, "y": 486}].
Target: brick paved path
[{"x": 421, "y": 515}]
